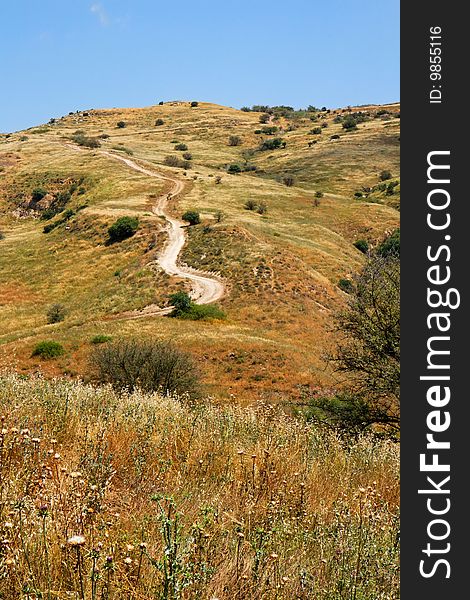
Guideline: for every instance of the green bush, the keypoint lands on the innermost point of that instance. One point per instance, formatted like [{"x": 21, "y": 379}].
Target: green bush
[
  {"x": 120, "y": 124},
  {"x": 181, "y": 147},
  {"x": 390, "y": 245},
  {"x": 269, "y": 130},
  {"x": 185, "y": 308},
  {"x": 318, "y": 194},
  {"x": 159, "y": 122},
  {"x": 316, "y": 131},
  {"x": 345, "y": 285},
  {"x": 56, "y": 313},
  {"x": 349, "y": 123},
  {"x": 262, "y": 208},
  {"x": 384, "y": 175},
  {"x": 273, "y": 144},
  {"x": 264, "y": 118},
  {"x": 148, "y": 365},
  {"x": 100, "y": 339},
  {"x": 187, "y": 156},
  {"x": 123, "y": 228},
  {"x": 38, "y": 194},
  {"x": 234, "y": 140},
  {"x": 48, "y": 350},
  {"x": 362, "y": 246},
  {"x": 234, "y": 168},
  {"x": 192, "y": 217},
  {"x": 194, "y": 104}
]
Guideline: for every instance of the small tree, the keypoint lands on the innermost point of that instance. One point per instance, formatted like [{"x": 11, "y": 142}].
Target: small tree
[
  {"x": 120, "y": 124},
  {"x": 265, "y": 118},
  {"x": 234, "y": 140},
  {"x": 192, "y": 217},
  {"x": 56, "y": 313},
  {"x": 194, "y": 104},
  {"x": 123, "y": 228},
  {"x": 233, "y": 169},
  {"x": 370, "y": 346},
  {"x": 181, "y": 302}
]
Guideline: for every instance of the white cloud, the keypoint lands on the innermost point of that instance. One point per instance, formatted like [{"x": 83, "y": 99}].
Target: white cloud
[{"x": 98, "y": 10}]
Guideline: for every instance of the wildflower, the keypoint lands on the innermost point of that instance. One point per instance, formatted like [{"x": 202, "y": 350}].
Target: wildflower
[
  {"x": 57, "y": 456},
  {"x": 128, "y": 561},
  {"x": 129, "y": 547},
  {"x": 76, "y": 540}
]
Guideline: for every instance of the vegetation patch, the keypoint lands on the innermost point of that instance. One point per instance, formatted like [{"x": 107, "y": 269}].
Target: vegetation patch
[{"x": 48, "y": 350}]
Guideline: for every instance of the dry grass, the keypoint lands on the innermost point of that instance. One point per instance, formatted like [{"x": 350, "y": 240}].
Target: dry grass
[{"x": 106, "y": 496}]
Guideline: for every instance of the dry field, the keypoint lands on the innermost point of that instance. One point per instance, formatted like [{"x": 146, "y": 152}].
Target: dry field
[{"x": 143, "y": 497}]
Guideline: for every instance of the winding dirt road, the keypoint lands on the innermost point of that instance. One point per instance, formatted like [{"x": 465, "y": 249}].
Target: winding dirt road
[{"x": 205, "y": 289}]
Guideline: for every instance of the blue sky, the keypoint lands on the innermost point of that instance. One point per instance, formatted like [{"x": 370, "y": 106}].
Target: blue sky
[{"x": 58, "y": 56}]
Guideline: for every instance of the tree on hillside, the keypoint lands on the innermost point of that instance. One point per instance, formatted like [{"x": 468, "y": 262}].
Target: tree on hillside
[{"x": 370, "y": 347}]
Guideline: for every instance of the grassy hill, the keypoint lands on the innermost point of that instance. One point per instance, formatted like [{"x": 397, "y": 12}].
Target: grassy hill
[{"x": 281, "y": 265}]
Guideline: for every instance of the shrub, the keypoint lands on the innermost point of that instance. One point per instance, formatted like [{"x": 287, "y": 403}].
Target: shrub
[
  {"x": 194, "y": 104},
  {"x": 234, "y": 140},
  {"x": 218, "y": 215},
  {"x": 334, "y": 137},
  {"x": 148, "y": 365},
  {"x": 159, "y": 122},
  {"x": 181, "y": 147},
  {"x": 192, "y": 217},
  {"x": 273, "y": 144},
  {"x": 123, "y": 228},
  {"x": 362, "y": 246},
  {"x": 48, "y": 350},
  {"x": 262, "y": 208},
  {"x": 103, "y": 136},
  {"x": 2, "y": 235},
  {"x": 318, "y": 194},
  {"x": 288, "y": 180},
  {"x": 175, "y": 161},
  {"x": 234, "y": 168},
  {"x": 345, "y": 285},
  {"x": 187, "y": 155},
  {"x": 180, "y": 301},
  {"x": 56, "y": 313},
  {"x": 264, "y": 118},
  {"x": 316, "y": 131},
  {"x": 269, "y": 130},
  {"x": 120, "y": 124},
  {"x": 349, "y": 123},
  {"x": 87, "y": 142},
  {"x": 38, "y": 194},
  {"x": 250, "y": 205},
  {"x": 358, "y": 194},
  {"x": 384, "y": 175},
  {"x": 218, "y": 179},
  {"x": 100, "y": 339},
  {"x": 185, "y": 308},
  {"x": 390, "y": 245}
]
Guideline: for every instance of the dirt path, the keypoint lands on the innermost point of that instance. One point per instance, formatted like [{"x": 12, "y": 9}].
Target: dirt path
[{"x": 204, "y": 289}]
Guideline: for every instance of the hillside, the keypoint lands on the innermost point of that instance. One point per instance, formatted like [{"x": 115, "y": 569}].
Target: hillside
[{"x": 280, "y": 265}]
